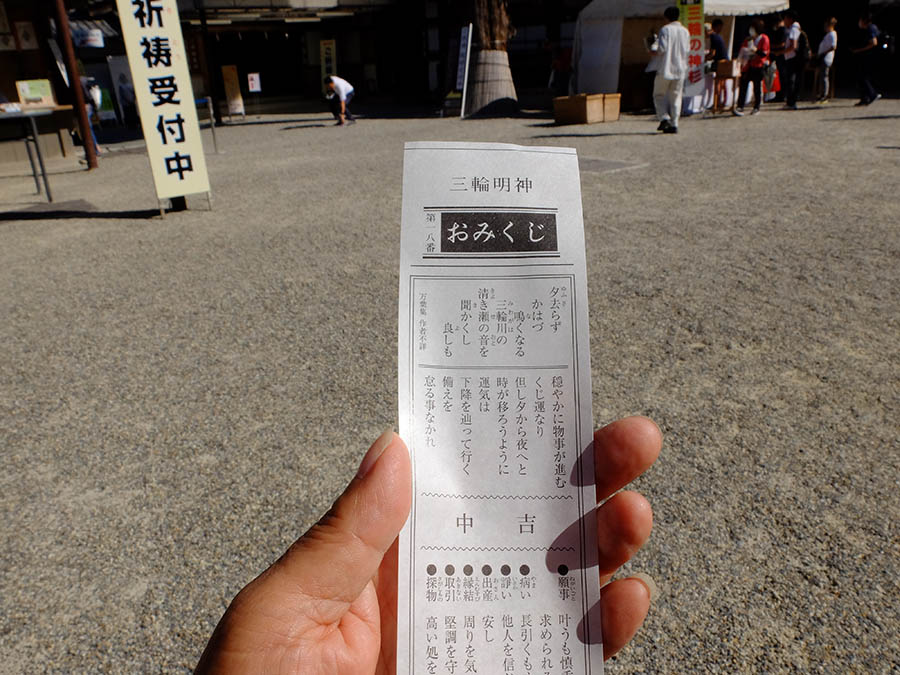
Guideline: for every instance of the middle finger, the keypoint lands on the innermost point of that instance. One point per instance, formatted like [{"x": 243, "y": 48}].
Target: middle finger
[{"x": 623, "y": 525}]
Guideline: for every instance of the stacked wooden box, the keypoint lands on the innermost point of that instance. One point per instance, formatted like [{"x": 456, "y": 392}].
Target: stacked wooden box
[{"x": 586, "y": 108}]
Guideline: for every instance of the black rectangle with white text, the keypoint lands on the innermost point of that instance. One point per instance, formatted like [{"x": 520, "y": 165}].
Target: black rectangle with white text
[{"x": 498, "y": 232}]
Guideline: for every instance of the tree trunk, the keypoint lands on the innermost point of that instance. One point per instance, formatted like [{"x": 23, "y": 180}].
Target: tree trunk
[{"x": 491, "y": 88}]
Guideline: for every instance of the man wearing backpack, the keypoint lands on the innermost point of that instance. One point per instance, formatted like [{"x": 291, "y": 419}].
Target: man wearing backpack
[{"x": 796, "y": 54}]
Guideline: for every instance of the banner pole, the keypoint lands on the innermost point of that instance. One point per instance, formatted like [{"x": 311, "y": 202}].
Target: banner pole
[{"x": 462, "y": 107}]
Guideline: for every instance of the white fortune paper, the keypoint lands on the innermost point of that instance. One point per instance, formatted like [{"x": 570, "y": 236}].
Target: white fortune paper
[{"x": 497, "y": 568}]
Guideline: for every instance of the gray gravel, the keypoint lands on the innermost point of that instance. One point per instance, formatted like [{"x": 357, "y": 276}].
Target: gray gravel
[{"x": 181, "y": 398}]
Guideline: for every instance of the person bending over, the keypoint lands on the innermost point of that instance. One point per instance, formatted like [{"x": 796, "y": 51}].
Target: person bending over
[{"x": 339, "y": 93}]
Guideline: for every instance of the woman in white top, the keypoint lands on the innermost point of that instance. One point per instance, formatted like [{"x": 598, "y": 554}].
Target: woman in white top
[{"x": 827, "y": 47}]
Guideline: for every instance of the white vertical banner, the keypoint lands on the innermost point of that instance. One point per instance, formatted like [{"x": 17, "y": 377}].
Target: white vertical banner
[
  {"x": 692, "y": 18},
  {"x": 463, "y": 59},
  {"x": 162, "y": 85}
]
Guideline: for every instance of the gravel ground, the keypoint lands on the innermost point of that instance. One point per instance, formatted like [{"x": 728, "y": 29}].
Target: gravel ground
[{"x": 181, "y": 398}]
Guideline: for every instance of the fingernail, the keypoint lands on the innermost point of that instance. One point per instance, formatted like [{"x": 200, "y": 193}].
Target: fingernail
[
  {"x": 374, "y": 453},
  {"x": 647, "y": 580}
]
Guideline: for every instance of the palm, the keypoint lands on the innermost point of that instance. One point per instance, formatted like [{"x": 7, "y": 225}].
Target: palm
[
  {"x": 386, "y": 586},
  {"x": 279, "y": 633}
]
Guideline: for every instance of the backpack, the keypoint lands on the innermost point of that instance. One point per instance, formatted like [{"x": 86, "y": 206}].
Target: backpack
[{"x": 804, "y": 53}]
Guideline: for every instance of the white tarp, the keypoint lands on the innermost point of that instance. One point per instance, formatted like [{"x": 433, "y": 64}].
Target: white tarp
[
  {"x": 597, "y": 50},
  {"x": 744, "y": 7},
  {"x": 607, "y": 9}
]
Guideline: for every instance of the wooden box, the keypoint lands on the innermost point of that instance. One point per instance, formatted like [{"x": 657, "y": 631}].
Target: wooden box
[
  {"x": 586, "y": 108},
  {"x": 726, "y": 69},
  {"x": 578, "y": 109},
  {"x": 611, "y": 104}
]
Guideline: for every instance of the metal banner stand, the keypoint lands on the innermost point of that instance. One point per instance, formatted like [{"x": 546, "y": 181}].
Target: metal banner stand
[
  {"x": 163, "y": 204},
  {"x": 212, "y": 120},
  {"x": 462, "y": 107}
]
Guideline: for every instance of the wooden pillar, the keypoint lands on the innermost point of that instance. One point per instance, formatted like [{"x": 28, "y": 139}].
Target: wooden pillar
[
  {"x": 213, "y": 71},
  {"x": 84, "y": 124}
]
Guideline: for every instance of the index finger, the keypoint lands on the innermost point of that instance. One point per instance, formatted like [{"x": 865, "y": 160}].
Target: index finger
[{"x": 623, "y": 450}]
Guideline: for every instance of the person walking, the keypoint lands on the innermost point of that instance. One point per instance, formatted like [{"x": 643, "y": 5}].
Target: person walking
[
  {"x": 756, "y": 46},
  {"x": 671, "y": 56},
  {"x": 866, "y": 60},
  {"x": 825, "y": 56},
  {"x": 339, "y": 93}
]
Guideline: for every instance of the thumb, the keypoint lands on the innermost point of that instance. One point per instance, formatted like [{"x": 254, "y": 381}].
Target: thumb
[{"x": 340, "y": 554}]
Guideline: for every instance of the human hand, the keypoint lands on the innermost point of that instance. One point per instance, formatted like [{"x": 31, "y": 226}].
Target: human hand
[{"x": 329, "y": 604}]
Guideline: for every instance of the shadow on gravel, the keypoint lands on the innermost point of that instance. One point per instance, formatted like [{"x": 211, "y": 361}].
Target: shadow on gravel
[
  {"x": 50, "y": 172},
  {"x": 361, "y": 113},
  {"x": 887, "y": 147},
  {"x": 614, "y": 133},
  {"x": 305, "y": 126},
  {"x": 251, "y": 123},
  {"x": 74, "y": 209},
  {"x": 726, "y": 115},
  {"x": 863, "y": 117},
  {"x": 554, "y": 125}
]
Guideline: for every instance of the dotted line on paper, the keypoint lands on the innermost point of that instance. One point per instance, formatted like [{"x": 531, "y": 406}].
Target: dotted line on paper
[
  {"x": 454, "y": 496},
  {"x": 496, "y": 548}
]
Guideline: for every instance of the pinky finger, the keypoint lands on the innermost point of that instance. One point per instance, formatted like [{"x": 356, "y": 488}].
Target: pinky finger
[{"x": 624, "y": 605}]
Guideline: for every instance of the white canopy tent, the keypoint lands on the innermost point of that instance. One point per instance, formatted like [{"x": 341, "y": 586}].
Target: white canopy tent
[
  {"x": 597, "y": 52},
  {"x": 633, "y": 8}
]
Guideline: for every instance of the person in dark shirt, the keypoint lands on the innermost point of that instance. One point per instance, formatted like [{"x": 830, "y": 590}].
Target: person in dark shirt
[
  {"x": 717, "y": 51},
  {"x": 791, "y": 73},
  {"x": 777, "y": 37},
  {"x": 866, "y": 59}
]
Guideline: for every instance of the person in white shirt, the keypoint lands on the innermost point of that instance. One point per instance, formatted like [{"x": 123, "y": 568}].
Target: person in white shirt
[
  {"x": 670, "y": 58},
  {"x": 340, "y": 93},
  {"x": 827, "y": 47}
]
